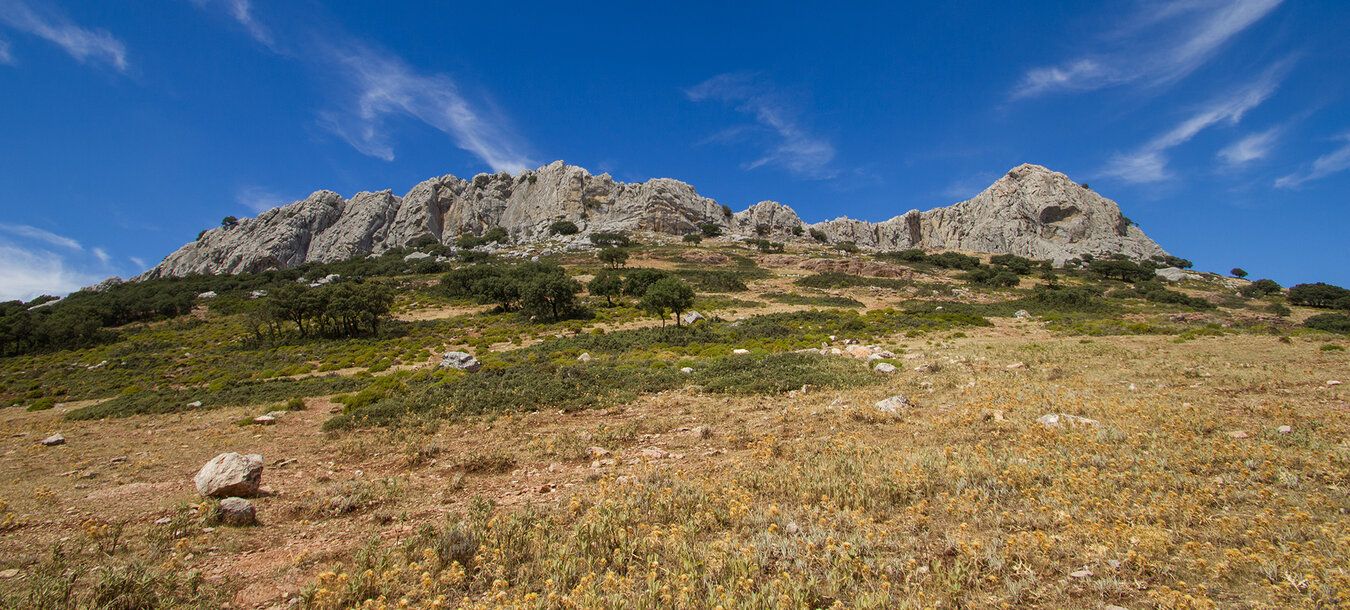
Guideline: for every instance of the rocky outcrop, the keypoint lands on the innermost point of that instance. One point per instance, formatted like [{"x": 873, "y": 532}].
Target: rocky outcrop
[
  {"x": 230, "y": 474},
  {"x": 1031, "y": 212}
]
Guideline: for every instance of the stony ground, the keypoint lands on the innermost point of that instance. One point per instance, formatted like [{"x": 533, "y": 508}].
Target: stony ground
[{"x": 1216, "y": 474}]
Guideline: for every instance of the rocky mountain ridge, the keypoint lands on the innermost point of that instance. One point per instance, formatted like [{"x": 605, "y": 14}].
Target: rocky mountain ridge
[{"x": 1031, "y": 211}]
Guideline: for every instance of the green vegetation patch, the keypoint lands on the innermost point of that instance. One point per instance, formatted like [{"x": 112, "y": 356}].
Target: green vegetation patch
[
  {"x": 812, "y": 300},
  {"x": 835, "y": 279},
  {"x": 244, "y": 393}
]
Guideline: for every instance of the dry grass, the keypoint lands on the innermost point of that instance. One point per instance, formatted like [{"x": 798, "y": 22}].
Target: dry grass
[{"x": 1185, "y": 495}]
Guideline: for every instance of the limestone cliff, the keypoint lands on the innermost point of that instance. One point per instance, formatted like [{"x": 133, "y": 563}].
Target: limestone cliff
[{"x": 1031, "y": 211}]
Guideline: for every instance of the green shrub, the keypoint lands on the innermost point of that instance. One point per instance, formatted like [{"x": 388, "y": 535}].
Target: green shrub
[
  {"x": 819, "y": 235},
  {"x": 780, "y": 373},
  {"x": 610, "y": 240},
  {"x": 1317, "y": 295},
  {"x": 692, "y": 238},
  {"x": 1330, "y": 322},
  {"x": 835, "y": 279},
  {"x": 816, "y": 301},
  {"x": 563, "y": 227},
  {"x": 710, "y": 230},
  {"x": 1260, "y": 288}
]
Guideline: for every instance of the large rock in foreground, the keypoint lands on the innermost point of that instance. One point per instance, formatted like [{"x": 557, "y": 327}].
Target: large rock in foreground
[
  {"x": 230, "y": 474},
  {"x": 1031, "y": 212}
]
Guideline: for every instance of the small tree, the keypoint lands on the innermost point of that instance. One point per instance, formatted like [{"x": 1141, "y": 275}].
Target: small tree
[
  {"x": 798, "y": 230},
  {"x": 549, "y": 295},
  {"x": 229, "y": 221},
  {"x": 847, "y": 246},
  {"x": 710, "y": 230},
  {"x": 607, "y": 284},
  {"x": 563, "y": 227},
  {"x": 613, "y": 258},
  {"x": 761, "y": 229},
  {"x": 1238, "y": 272},
  {"x": 693, "y": 238},
  {"x": 669, "y": 294},
  {"x": 819, "y": 235},
  {"x": 496, "y": 234}
]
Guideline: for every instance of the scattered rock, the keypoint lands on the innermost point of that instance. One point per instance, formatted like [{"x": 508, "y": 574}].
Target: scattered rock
[
  {"x": 1055, "y": 420},
  {"x": 654, "y": 453},
  {"x": 691, "y": 316},
  {"x": 884, "y": 367},
  {"x": 1083, "y": 573},
  {"x": 912, "y": 356},
  {"x": 740, "y": 351},
  {"x": 597, "y": 452},
  {"x": 894, "y": 405},
  {"x": 1022, "y": 313},
  {"x": 230, "y": 474},
  {"x": 163, "y": 520},
  {"x": 196, "y": 404},
  {"x": 117, "y": 460},
  {"x": 1285, "y": 429},
  {"x": 1333, "y": 382},
  {"x": 585, "y": 357},
  {"x": 686, "y": 370},
  {"x": 1238, "y": 434},
  {"x": 1016, "y": 365},
  {"x": 460, "y": 360},
  {"x": 237, "y": 512},
  {"x": 858, "y": 351},
  {"x": 791, "y": 528},
  {"x": 1171, "y": 274},
  {"x": 416, "y": 256},
  {"x": 210, "y": 294},
  {"x": 264, "y": 420},
  {"x": 54, "y": 440},
  {"x": 546, "y": 488},
  {"x": 10, "y": 573}
]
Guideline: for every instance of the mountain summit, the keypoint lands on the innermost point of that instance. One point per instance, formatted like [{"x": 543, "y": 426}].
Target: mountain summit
[{"x": 1032, "y": 211}]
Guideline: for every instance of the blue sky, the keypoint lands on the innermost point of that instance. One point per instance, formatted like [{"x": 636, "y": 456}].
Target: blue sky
[{"x": 1220, "y": 126}]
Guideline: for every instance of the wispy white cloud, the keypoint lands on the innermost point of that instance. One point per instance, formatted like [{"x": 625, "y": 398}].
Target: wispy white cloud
[
  {"x": 31, "y": 232},
  {"x": 1333, "y": 162},
  {"x": 792, "y": 146},
  {"x": 140, "y": 264},
  {"x": 26, "y": 273},
  {"x": 1250, "y": 148},
  {"x": 85, "y": 45},
  {"x": 378, "y": 86},
  {"x": 260, "y": 199},
  {"x": 5, "y": 57},
  {"x": 1158, "y": 45},
  {"x": 242, "y": 12},
  {"x": 101, "y": 254},
  {"x": 386, "y": 86},
  {"x": 1149, "y": 162}
]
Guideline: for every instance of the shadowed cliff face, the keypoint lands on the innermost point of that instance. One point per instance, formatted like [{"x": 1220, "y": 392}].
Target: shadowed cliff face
[{"x": 1031, "y": 212}]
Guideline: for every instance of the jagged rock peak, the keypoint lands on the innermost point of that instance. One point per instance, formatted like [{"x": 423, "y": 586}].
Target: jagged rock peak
[{"x": 1031, "y": 211}]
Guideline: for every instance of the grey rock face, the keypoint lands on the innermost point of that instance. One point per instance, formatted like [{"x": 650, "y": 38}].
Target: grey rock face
[
  {"x": 691, "y": 316},
  {"x": 894, "y": 405},
  {"x": 1031, "y": 212},
  {"x": 237, "y": 512},
  {"x": 460, "y": 360},
  {"x": 54, "y": 440},
  {"x": 230, "y": 474}
]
